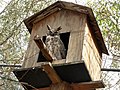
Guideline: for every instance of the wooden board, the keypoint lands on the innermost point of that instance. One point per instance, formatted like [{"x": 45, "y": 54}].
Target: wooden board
[
  {"x": 32, "y": 52},
  {"x": 68, "y": 20},
  {"x": 31, "y": 55},
  {"x": 52, "y": 74},
  {"x": 79, "y": 86},
  {"x": 76, "y": 43},
  {"x": 43, "y": 49},
  {"x": 39, "y": 77},
  {"x": 91, "y": 55}
]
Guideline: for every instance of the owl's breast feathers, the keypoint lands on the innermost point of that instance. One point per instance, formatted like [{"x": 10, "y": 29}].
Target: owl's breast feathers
[{"x": 55, "y": 45}]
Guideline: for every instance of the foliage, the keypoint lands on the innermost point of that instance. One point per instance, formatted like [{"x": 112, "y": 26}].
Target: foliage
[
  {"x": 108, "y": 17},
  {"x": 14, "y": 36},
  {"x": 107, "y": 13}
]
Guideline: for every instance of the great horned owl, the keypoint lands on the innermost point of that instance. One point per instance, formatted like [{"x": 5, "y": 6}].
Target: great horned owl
[{"x": 54, "y": 44}]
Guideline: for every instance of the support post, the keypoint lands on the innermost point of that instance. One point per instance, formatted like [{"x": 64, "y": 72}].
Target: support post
[
  {"x": 51, "y": 74},
  {"x": 42, "y": 48},
  {"x": 77, "y": 86}
]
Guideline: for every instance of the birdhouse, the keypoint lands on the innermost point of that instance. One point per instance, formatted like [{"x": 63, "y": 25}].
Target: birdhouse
[{"x": 65, "y": 49}]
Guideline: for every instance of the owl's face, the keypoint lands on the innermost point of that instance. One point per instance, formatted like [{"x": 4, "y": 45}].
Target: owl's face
[
  {"x": 54, "y": 44},
  {"x": 53, "y": 32}
]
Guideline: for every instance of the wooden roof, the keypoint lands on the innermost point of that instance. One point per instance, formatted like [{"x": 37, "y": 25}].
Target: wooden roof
[{"x": 73, "y": 7}]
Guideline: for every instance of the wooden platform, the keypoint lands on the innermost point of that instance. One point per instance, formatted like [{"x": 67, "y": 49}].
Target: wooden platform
[
  {"x": 76, "y": 86},
  {"x": 38, "y": 78}
]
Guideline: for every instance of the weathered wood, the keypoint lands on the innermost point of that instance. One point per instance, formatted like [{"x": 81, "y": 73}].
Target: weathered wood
[
  {"x": 80, "y": 86},
  {"x": 60, "y": 18},
  {"x": 88, "y": 85},
  {"x": 52, "y": 9},
  {"x": 91, "y": 56},
  {"x": 31, "y": 55},
  {"x": 71, "y": 7},
  {"x": 42, "y": 48},
  {"x": 58, "y": 86},
  {"x": 76, "y": 42},
  {"x": 59, "y": 61},
  {"x": 52, "y": 74},
  {"x": 32, "y": 52},
  {"x": 61, "y": 86},
  {"x": 72, "y": 18},
  {"x": 45, "y": 14},
  {"x": 76, "y": 30},
  {"x": 85, "y": 38},
  {"x": 75, "y": 47},
  {"x": 63, "y": 18}
]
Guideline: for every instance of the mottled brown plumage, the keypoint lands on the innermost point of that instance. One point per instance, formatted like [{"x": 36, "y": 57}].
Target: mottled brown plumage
[{"x": 54, "y": 44}]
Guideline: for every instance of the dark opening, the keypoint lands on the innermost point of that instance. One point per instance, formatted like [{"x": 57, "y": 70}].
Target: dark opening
[
  {"x": 65, "y": 39},
  {"x": 41, "y": 58}
]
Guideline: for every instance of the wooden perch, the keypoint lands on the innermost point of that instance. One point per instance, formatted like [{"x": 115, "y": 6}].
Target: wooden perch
[
  {"x": 88, "y": 85},
  {"x": 52, "y": 74},
  {"x": 42, "y": 48},
  {"x": 81, "y": 86}
]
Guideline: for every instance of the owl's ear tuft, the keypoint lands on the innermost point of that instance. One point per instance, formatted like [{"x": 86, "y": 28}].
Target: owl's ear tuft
[
  {"x": 48, "y": 26},
  {"x": 59, "y": 28}
]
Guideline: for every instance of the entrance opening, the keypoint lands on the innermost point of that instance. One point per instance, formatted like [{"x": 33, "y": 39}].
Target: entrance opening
[{"x": 65, "y": 39}]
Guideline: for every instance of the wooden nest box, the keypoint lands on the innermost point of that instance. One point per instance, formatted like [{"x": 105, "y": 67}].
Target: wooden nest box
[{"x": 80, "y": 68}]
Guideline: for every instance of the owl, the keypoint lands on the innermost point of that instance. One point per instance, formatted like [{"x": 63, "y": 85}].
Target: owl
[{"x": 54, "y": 44}]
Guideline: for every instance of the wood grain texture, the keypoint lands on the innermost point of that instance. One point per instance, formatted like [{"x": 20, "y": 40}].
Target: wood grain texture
[
  {"x": 77, "y": 86},
  {"x": 76, "y": 42},
  {"x": 51, "y": 74},
  {"x": 73, "y": 23},
  {"x": 91, "y": 56},
  {"x": 88, "y": 85},
  {"x": 59, "y": 5},
  {"x": 70, "y": 21},
  {"x": 43, "y": 49},
  {"x": 75, "y": 47},
  {"x": 61, "y": 86},
  {"x": 32, "y": 53}
]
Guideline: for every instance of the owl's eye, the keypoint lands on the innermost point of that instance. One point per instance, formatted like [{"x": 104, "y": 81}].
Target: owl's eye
[
  {"x": 48, "y": 39},
  {"x": 55, "y": 33},
  {"x": 56, "y": 39}
]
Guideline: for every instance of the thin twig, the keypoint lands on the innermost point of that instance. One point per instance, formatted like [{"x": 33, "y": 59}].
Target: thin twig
[{"x": 10, "y": 65}]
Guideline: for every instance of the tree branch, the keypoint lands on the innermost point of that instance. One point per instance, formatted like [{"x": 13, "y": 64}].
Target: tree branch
[
  {"x": 6, "y": 7},
  {"x": 1, "y": 65},
  {"x": 6, "y": 39}
]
